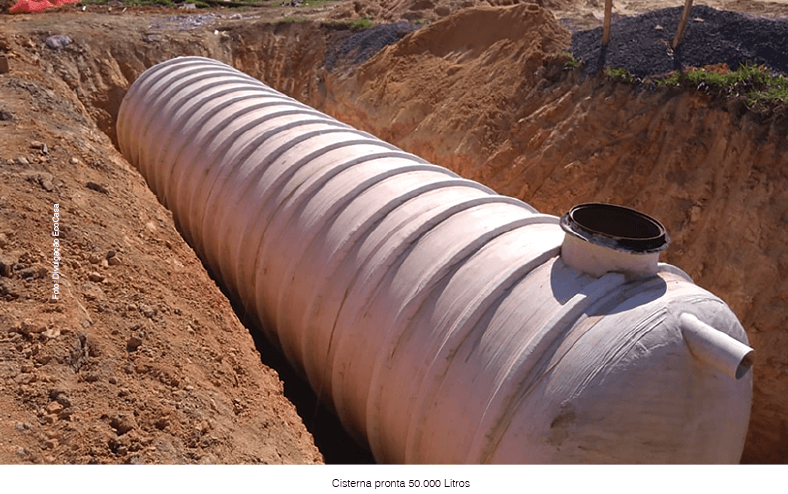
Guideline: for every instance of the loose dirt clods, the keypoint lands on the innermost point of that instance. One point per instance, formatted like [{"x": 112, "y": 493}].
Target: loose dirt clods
[
  {"x": 142, "y": 359},
  {"x": 88, "y": 379}
]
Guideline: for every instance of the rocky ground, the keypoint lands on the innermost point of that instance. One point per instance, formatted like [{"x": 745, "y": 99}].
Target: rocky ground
[{"x": 142, "y": 359}]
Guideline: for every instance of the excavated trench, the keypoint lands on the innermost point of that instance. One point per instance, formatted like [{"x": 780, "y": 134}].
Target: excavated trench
[{"x": 502, "y": 109}]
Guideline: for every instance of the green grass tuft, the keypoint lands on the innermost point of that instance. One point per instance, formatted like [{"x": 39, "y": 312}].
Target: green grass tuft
[
  {"x": 571, "y": 61},
  {"x": 619, "y": 74},
  {"x": 756, "y": 83},
  {"x": 363, "y": 23},
  {"x": 318, "y": 3}
]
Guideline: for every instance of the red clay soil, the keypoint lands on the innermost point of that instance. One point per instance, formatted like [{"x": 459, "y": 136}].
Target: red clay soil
[{"x": 141, "y": 359}]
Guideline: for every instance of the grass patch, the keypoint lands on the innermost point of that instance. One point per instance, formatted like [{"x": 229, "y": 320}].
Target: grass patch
[
  {"x": 318, "y": 3},
  {"x": 619, "y": 74},
  {"x": 571, "y": 61},
  {"x": 754, "y": 82},
  {"x": 363, "y": 23}
]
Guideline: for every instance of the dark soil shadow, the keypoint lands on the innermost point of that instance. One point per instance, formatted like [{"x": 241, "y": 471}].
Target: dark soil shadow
[{"x": 336, "y": 445}]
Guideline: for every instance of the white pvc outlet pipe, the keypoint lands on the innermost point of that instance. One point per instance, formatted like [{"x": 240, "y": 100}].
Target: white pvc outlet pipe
[
  {"x": 716, "y": 348},
  {"x": 436, "y": 317}
]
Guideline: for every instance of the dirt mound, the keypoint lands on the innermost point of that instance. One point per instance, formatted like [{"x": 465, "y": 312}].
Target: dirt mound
[
  {"x": 471, "y": 32},
  {"x": 360, "y": 47},
  {"x": 642, "y": 44},
  {"x": 140, "y": 359},
  {"x": 460, "y": 73}
]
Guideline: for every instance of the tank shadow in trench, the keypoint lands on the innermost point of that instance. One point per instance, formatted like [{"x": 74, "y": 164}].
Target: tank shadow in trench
[{"x": 336, "y": 445}]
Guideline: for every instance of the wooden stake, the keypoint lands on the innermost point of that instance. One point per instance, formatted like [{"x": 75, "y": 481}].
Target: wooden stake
[
  {"x": 679, "y": 38},
  {"x": 606, "y": 32}
]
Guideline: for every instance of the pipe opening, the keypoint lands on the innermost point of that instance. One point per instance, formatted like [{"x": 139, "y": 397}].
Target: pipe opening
[
  {"x": 745, "y": 365},
  {"x": 616, "y": 227}
]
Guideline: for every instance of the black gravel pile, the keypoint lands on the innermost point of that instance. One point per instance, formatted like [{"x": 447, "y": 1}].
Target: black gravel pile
[
  {"x": 361, "y": 46},
  {"x": 712, "y": 37}
]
